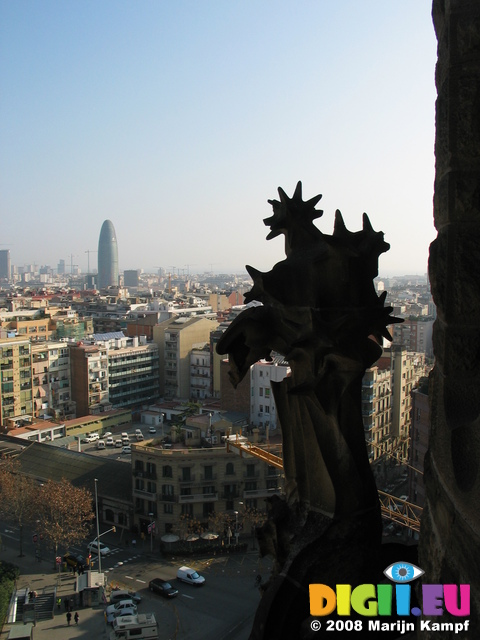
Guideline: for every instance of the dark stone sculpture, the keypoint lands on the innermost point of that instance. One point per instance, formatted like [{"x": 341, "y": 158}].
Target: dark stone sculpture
[{"x": 320, "y": 311}]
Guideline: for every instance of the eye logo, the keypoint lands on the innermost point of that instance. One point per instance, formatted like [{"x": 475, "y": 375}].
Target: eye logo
[{"x": 403, "y": 572}]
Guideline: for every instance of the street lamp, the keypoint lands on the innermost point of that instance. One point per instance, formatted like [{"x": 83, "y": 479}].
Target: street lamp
[
  {"x": 98, "y": 530},
  {"x": 151, "y": 526},
  {"x": 236, "y": 527}
]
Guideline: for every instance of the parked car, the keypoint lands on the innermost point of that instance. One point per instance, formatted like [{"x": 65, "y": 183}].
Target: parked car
[
  {"x": 109, "y": 441},
  {"x": 127, "y": 611},
  {"x": 139, "y": 436},
  {"x": 190, "y": 576},
  {"x": 100, "y": 444},
  {"x": 121, "y": 606},
  {"x": 92, "y": 437},
  {"x": 118, "y": 443},
  {"x": 138, "y": 431},
  {"x": 123, "y": 594},
  {"x": 164, "y": 588},
  {"x": 124, "y": 435},
  {"x": 152, "y": 429},
  {"x": 127, "y": 449},
  {"x": 76, "y": 561},
  {"x": 108, "y": 434},
  {"x": 93, "y": 548}
]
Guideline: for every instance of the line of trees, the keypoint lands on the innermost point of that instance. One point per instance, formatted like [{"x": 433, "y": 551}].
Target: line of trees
[{"x": 60, "y": 513}]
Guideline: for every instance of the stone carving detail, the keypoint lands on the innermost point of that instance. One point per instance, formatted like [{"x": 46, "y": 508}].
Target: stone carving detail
[{"x": 320, "y": 310}]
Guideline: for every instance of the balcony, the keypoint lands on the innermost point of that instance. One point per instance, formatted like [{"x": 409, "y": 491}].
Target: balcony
[
  {"x": 248, "y": 475},
  {"x": 262, "y": 493},
  {"x": 163, "y": 497},
  {"x": 199, "y": 497},
  {"x": 208, "y": 477},
  {"x": 185, "y": 480},
  {"x": 144, "y": 494}
]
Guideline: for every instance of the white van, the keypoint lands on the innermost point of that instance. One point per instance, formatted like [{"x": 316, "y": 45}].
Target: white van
[
  {"x": 143, "y": 626},
  {"x": 100, "y": 444},
  {"x": 190, "y": 576}
]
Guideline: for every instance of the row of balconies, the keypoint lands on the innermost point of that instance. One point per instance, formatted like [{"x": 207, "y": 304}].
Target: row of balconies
[{"x": 149, "y": 475}]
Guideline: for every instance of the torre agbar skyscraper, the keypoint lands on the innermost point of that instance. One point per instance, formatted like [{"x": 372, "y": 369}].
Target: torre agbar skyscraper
[{"x": 107, "y": 256}]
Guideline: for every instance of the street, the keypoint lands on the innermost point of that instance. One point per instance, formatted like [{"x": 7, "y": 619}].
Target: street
[{"x": 222, "y": 609}]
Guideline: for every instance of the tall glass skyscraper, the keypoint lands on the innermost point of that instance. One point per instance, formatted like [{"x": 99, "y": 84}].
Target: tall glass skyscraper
[{"x": 107, "y": 256}]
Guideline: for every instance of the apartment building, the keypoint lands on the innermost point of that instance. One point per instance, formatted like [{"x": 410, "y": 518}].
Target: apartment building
[
  {"x": 420, "y": 430},
  {"x": 32, "y": 324},
  {"x": 51, "y": 380},
  {"x": 407, "y": 369},
  {"x": 89, "y": 376},
  {"x": 376, "y": 411},
  {"x": 114, "y": 370},
  {"x": 200, "y": 372},
  {"x": 175, "y": 339},
  {"x": 170, "y": 483},
  {"x": 16, "y": 400},
  {"x": 415, "y": 334},
  {"x": 133, "y": 372},
  {"x": 263, "y": 412}
]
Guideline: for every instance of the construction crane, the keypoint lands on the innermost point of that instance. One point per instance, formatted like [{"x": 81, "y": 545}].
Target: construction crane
[
  {"x": 392, "y": 508},
  {"x": 71, "y": 263},
  {"x": 88, "y": 252}
]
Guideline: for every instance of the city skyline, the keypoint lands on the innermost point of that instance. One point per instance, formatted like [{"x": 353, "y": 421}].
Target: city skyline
[{"x": 178, "y": 122}]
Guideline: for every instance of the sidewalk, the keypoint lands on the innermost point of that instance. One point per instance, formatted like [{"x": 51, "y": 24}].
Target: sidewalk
[{"x": 40, "y": 577}]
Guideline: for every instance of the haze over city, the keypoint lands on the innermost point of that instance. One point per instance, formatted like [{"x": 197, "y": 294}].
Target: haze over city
[{"x": 178, "y": 121}]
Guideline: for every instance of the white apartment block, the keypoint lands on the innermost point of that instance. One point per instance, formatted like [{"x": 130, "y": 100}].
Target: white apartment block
[
  {"x": 262, "y": 404},
  {"x": 200, "y": 372}
]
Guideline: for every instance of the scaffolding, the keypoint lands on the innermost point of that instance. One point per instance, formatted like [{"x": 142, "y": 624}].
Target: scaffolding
[{"x": 392, "y": 508}]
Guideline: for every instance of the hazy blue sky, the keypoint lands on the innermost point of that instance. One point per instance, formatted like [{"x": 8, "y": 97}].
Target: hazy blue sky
[{"x": 178, "y": 119}]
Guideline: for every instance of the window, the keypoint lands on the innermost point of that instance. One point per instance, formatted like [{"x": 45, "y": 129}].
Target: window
[
  {"x": 168, "y": 507},
  {"x": 250, "y": 472},
  {"x": 167, "y": 490},
  {"x": 229, "y": 469},
  {"x": 186, "y": 475},
  {"x": 209, "y": 472},
  {"x": 207, "y": 509},
  {"x": 151, "y": 468},
  {"x": 267, "y": 393},
  {"x": 109, "y": 515},
  {"x": 251, "y": 486},
  {"x": 187, "y": 509},
  {"x": 167, "y": 471},
  {"x": 260, "y": 392}
]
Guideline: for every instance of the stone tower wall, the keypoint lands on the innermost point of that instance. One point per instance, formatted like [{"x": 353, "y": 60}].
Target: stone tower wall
[{"x": 450, "y": 535}]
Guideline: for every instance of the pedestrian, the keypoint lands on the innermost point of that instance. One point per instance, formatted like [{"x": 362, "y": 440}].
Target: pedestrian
[
  {"x": 75, "y": 617},
  {"x": 69, "y": 617},
  {"x": 59, "y": 603}
]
